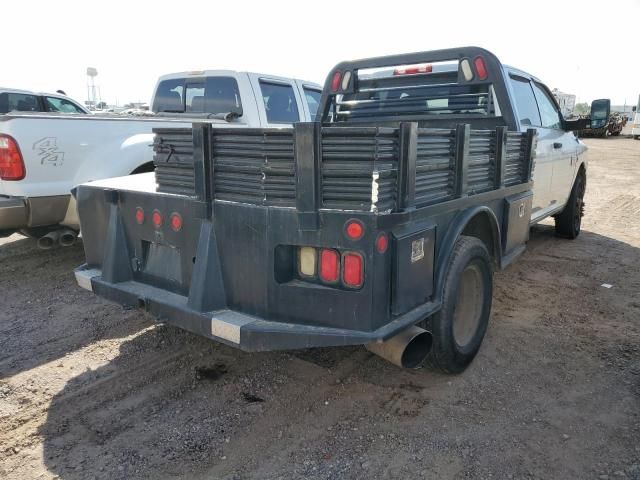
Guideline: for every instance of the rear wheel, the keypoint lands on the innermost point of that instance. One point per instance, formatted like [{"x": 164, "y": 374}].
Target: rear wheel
[
  {"x": 569, "y": 221},
  {"x": 459, "y": 327}
]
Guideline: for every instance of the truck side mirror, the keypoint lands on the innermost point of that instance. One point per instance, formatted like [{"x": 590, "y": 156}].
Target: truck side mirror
[{"x": 600, "y": 110}]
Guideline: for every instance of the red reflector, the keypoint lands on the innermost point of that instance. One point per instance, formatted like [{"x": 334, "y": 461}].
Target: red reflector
[
  {"x": 354, "y": 230},
  {"x": 156, "y": 218},
  {"x": 413, "y": 69},
  {"x": 382, "y": 242},
  {"x": 335, "y": 81},
  {"x": 329, "y": 265},
  {"x": 11, "y": 163},
  {"x": 139, "y": 215},
  {"x": 352, "y": 270},
  {"x": 176, "y": 222},
  {"x": 481, "y": 69}
]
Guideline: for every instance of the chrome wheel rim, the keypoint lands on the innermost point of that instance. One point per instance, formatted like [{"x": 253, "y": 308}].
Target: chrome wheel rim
[{"x": 468, "y": 309}]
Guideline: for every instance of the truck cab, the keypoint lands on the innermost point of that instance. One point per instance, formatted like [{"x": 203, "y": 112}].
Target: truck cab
[
  {"x": 278, "y": 100},
  {"x": 559, "y": 153}
]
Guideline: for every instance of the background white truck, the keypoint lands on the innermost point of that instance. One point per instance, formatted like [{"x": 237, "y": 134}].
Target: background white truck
[{"x": 44, "y": 155}]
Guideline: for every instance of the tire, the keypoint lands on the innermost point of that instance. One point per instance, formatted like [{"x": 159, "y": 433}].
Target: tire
[
  {"x": 636, "y": 137},
  {"x": 459, "y": 327},
  {"x": 569, "y": 221}
]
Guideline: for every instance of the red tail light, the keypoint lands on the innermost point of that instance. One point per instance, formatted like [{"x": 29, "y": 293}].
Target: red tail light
[
  {"x": 354, "y": 230},
  {"x": 329, "y": 265},
  {"x": 176, "y": 222},
  {"x": 11, "y": 163},
  {"x": 481, "y": 68},
  {"x": 352, "y": 271},
  {"x": 413, "y": 69},
  {"x": 156, "y": 219},
  {"x": 382, "y": 242},
  {"x": 335, "y": 81},
  {"x": 139, "y": 215}
]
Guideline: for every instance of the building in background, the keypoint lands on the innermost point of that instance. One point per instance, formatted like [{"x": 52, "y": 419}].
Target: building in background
[{"x": 566, "y": 101}]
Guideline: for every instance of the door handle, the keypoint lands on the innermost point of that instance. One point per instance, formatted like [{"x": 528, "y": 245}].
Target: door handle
[{"x": 557, "y": 145}]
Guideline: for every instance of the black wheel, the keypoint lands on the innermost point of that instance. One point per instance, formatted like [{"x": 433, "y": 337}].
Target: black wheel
[
  {"x": 636, "y": 137},
  {"x": 460, "y": 325},
  {"x": 568, "y": 222}
]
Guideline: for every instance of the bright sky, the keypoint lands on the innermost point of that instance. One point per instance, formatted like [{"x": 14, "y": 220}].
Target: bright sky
[{"x": 580, "y": 47}]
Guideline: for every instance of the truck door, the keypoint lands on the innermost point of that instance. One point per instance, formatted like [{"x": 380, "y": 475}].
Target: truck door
[
  {"x": 278, "y": 101},
  {"x": 565, "y": 147},
  {"x": 529, "y": 116}
]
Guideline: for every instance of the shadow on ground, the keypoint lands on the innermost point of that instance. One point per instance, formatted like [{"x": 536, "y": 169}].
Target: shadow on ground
[{"x": 44, "y": 314}]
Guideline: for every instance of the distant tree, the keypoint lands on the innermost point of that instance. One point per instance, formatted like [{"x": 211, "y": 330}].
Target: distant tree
[{"x": 581, "y": 109}]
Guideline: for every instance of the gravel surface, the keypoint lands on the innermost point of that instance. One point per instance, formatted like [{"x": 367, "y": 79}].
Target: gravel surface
[{"x": 91, "y": 390}]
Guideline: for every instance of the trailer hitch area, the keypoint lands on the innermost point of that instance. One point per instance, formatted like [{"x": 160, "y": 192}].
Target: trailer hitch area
[{"x": 408, "y": 349}]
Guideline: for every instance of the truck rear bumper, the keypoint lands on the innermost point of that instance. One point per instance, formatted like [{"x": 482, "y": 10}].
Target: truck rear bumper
[
  {"x": 14, "y": 213},
  {"x": 18, "y": 212},
  {"x": 247, "y": 332}
]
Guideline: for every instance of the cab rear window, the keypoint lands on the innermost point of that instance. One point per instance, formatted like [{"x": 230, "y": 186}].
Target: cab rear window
[
  {"x": 202, "y": 95},
  {"x": 18, "y": 102}
]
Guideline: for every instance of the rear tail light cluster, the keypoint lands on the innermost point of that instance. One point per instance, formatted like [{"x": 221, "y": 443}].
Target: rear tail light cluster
[
  {"x": 175, "y": 219},
  {"x": 11, "y": 162},
  {"x": 340, "y": 81},
  {"x": 479, "y": 66},
  {"x": 331, "y": 266}
]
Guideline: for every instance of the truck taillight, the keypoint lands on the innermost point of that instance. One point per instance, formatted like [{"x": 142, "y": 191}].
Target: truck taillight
[
  {"x": 176, "y": 221},
  {"x": 354, "y": 229},
  {"x": 329, "y": 265},
  {"x": 465, "y": 66},
  {"x": 307, "y": 261},
  {"x": 352, "y": 270},
  {"x": 413, "y": 69},
  {"x": 335, "y": 81},
  {"x": 139, "y": 216},
  {"x": 382, "y": 242},
  {"x": 481, "y": 68},
  {"x": 11, "y": 162},
  {"x": 156, "y": 219}
]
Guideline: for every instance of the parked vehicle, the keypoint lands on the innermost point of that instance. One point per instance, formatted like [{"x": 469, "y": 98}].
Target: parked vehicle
[
  {"x": 601, "y": 122},
  {"x": 43, "y": 155},
  {"x": 379, "y": 224},
  {"x": 13, "y": 100}
]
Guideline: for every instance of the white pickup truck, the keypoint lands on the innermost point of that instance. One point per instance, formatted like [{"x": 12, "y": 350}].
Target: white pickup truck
[{"x": 44, "y": 155}]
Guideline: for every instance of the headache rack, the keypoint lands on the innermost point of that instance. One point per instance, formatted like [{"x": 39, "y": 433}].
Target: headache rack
[
  {"x": 311, "y": 167},
  {"x": 450, "y": 86}
]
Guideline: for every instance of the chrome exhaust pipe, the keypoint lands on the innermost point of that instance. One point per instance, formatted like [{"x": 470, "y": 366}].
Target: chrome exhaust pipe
[
  {"x": 67, "y": 237},
  {"x": 407, "y": 349},
  {"x": 49, "y": 240}
]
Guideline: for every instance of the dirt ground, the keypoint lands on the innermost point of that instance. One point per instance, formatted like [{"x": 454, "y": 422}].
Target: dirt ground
[{"x": 91, "y": 390}]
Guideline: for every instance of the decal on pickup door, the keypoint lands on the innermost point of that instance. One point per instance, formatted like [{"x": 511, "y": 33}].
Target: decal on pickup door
[{"x": 47, "y": 150}]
